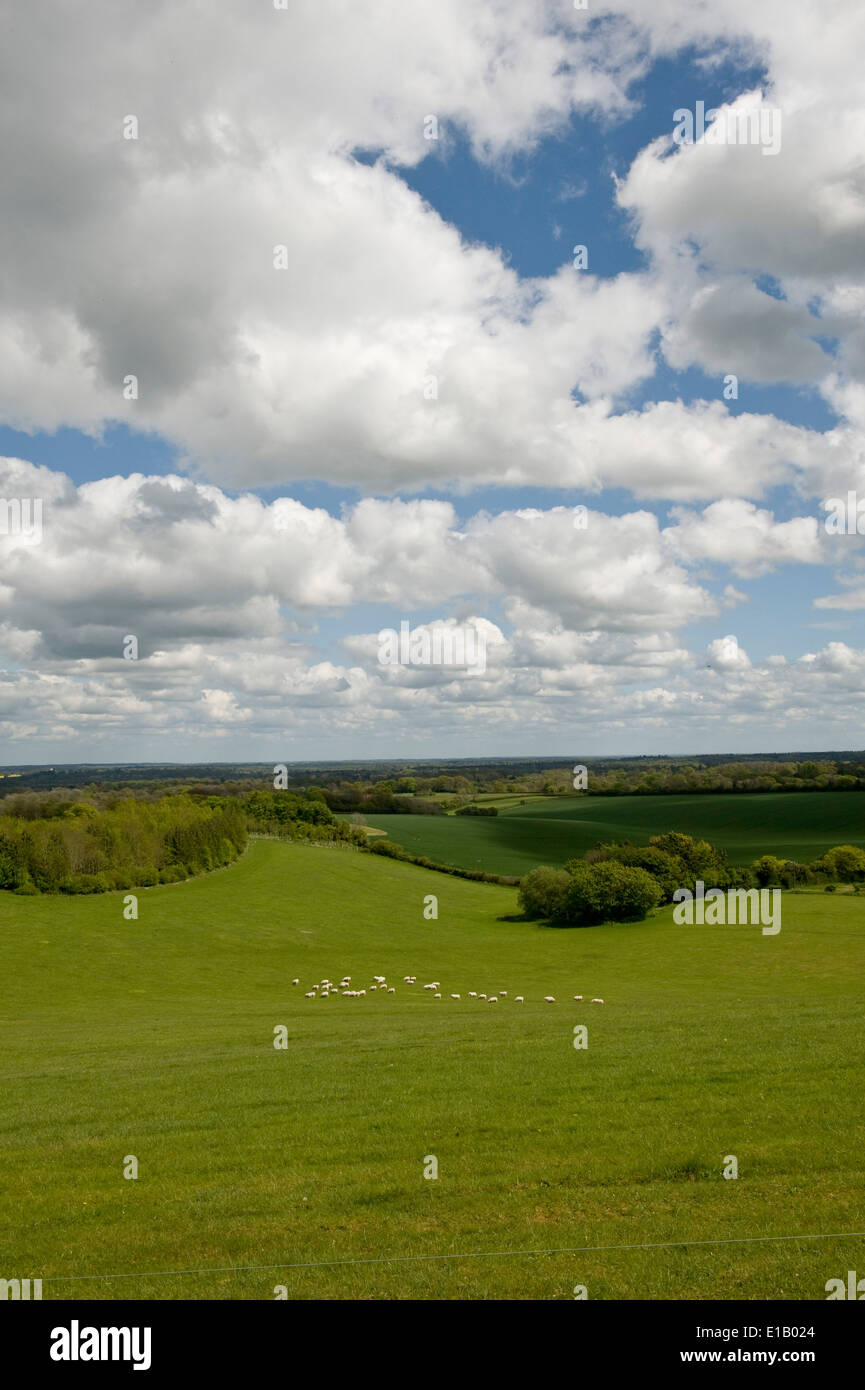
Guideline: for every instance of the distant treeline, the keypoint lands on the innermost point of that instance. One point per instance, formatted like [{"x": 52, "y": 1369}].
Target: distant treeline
[
  {"x": 57, "y": 845},
  {"x": 350, "y": 786}
]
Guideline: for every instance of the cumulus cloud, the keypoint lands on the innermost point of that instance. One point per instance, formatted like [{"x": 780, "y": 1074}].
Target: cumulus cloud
[
  {"x": 245, "y": 614},
  {"x": 154, "y": 257},
  {"x": 290, "y": 309}
]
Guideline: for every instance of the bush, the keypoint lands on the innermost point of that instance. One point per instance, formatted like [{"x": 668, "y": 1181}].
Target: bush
[
  {"x": 543, "y": 893},
  {"x": 668, "y": 871},
  {"x": 477, "y": 811},
  {"x": 610, "y": 892},
  {"x": 388, "y": 848},
  {"x": 586, "y": 894},
  {"x": 844, "y": 862}
]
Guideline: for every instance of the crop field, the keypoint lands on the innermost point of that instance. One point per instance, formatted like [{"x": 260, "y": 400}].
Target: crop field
[
  {"x": 549, "y": 831},
  {"x": 303, "y": 1167}
]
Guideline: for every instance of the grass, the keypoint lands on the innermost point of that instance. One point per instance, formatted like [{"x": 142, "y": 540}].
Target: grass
[
  {"x": 154, "y": 1038},
  {"x": 553, "y": 829}
]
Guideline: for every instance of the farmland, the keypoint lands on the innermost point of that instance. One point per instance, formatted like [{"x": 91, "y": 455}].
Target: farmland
[
  {"x": 260, "y": 1167},
  {"x": 552, "y": 829}
]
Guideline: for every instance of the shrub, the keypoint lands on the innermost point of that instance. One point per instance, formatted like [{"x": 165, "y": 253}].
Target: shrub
[
  {"x": 543, "y": 893},
  {"x": 586, "y": 894},
  {"x": 668, "y": 871},
  {"x": 844, "y": 862},
  {"x": 610, "y": 892}
]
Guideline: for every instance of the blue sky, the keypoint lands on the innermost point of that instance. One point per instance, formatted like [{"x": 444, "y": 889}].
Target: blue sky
[{"x": 558, "y": 387}]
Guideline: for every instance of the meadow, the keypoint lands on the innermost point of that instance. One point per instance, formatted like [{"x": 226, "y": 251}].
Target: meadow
[
  {"x": 304, "y": 1167},
  {"x": 792, "y": 825}
]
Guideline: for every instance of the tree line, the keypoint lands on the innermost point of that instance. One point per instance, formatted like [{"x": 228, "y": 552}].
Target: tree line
[
  {"x": 77, "y": 847},
  {"x": 620, "y": 881}
]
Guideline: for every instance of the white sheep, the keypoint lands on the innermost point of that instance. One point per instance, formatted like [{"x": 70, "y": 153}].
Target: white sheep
[
  {"x": 436, "y": 996},
  {"x": 473, "y": 994},
  {"x": 311, "y": 994},
  {"x": 597, "y": 1001},
  {"x": 455, "y": 996},
  {"x": 295, "y": 982},
  {"x": 482, "y": 996},
  {"x": 391, "y": 989},
  {"x": 518, "y": 999},
  {"x": 504, "y": 992},
  {"x": 578, "y": 997},
  {"x": 549, "y": 999},
  {"x": 493, "y": 999}
]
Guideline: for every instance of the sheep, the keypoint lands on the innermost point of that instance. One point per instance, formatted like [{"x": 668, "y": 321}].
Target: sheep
[
  {"x": 372, "y": 987},
  {"x": 549, "y": 999},
  {"x": 597, "y": 1001},
  {"x": 295, "y": 982},
  {"x": 436, "y": 996},
  {"x": 518, "y": 999},
  {"x": 578, "y": 998},
  {"x": 473, "y": 994},
  {"x": 391, "y": 990},
  {"x": 504, "y": 992},
  {"x": 311, "y": 994},
  {"x": 482, "y": 996},
  {"x": 429, "y": 986},
  {"x": 437, "y": 984},
  {"x": 455, "y": 996},
  {"x": 361, "y": 991},
  {"x": 493, "y": 999}
]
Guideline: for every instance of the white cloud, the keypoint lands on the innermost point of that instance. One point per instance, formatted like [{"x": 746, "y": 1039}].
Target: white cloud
[
  {"x": 244, "y": 615},
  {"x": 155, "y": 256}
]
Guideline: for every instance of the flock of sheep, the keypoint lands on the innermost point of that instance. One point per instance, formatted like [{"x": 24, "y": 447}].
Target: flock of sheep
[{"x": 325, "y": 988}]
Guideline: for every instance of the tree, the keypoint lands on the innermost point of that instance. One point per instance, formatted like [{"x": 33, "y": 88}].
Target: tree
[
  {"x": 610, "y": 892},
  {"x": 543, "y": 893}
]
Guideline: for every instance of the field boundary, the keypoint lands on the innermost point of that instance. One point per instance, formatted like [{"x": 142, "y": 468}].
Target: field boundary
[{"x": 466, "y": 1255}]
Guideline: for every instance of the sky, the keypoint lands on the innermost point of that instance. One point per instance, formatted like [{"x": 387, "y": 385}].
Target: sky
[{"x": 532, "y": 326}]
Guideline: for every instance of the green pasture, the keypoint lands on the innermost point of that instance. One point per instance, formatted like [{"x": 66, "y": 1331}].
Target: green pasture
[{"x": 304, "y": 1167}]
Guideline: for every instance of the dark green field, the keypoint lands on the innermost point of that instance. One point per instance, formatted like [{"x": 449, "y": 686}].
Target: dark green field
[
  {"x": 304, "y": 1167},
  {"x": 792, "y": 825}
]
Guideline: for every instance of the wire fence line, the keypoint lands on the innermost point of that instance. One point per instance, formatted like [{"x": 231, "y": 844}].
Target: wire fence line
[{"x": 468, "y": 1255}]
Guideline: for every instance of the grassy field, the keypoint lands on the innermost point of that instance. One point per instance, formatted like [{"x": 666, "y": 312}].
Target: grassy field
[
  {"x": 551, "y": 830},
  {"x": 154, "y": 1038}
]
